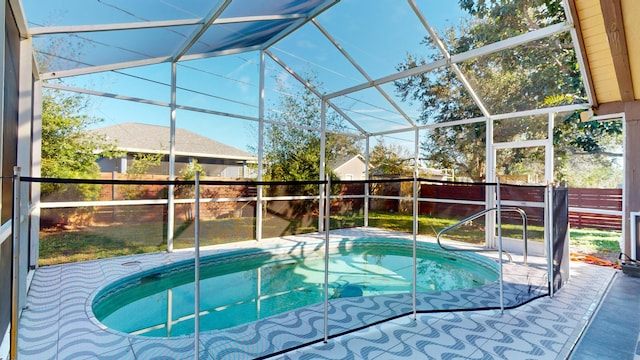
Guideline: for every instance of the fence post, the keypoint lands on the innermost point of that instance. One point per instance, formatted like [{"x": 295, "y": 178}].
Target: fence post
[
  {"x": 548, "y": 234},
  {"x": 15, "y": 266},
  {"x": 327, "y": 215},
  {"x": 415, "y": 245},
  {"x": 499, "y": 220},
  {"x": 196, "y": 295}
]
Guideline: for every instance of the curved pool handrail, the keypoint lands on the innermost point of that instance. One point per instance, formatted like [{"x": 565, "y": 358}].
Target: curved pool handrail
[{"x": 479, "y": 214}]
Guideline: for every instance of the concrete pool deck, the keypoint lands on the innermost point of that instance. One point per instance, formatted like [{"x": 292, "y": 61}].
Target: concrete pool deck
[{"x": 58, "y": 323}]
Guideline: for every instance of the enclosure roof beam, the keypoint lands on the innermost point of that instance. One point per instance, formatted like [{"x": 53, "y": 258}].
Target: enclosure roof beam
[
  {"x": 397, "y": 76},
  {"x": 51, "y": 30},
  {"x": 178, "y": 106},
  {"x": 521, "y": 144},
  {"x": 21, "y": 20},
  {"x": 456, "y": 69},
  {"x": 513, "y": 115},
  {"x": 313, "y": 90},
  {"x": 431, "y": 126},
  {"x": 91, "y": 69},
  {"x": 102, "y": 68},
  {"x": 362, "y": 71},
  {"x": 215, "y": 12},
  {"x": 512, "y": 42},
  {"x": 458, "y": 58},
  {"x": 103, "y": 94},
  {"x": 555, "y": 109},
  {"x": 220, "y": 53},
  {"x": 319, "y": 10},
  {"x": 304, "y": 82}
]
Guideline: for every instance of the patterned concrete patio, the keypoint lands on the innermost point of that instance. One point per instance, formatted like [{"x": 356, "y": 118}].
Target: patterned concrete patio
[{"x": 58, "y": 322}]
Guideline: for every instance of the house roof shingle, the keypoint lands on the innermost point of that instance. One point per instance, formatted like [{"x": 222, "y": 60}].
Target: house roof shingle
[
  {"x": 145, "y": 138},
  {"x": 341, "y": 160}
]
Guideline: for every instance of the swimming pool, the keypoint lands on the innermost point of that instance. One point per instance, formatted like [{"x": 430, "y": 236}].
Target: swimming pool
[{"x": 244, "y": 286}]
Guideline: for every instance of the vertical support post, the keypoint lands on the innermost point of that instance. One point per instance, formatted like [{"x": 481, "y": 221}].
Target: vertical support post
[
  {"x": 491, "y": 176},
  {"x": 627, "y": 243},
  {"x": 196, "y": 294},
  {"x": 326, "y": 260},
  {"x": 323, "y": 155},
  {"x": 23, "y": 155},
  {"x": 499, "y": 219},
  {"x": 525, "y": 252},
  {"x": 634, "y": 215},
  {"x": 36, "y": 161},
  {"x": 548, "y": 151},
  {"x": 416, "y": 168},
  {"x": 548, "y": 234},
  {"x": 367, "y": 184},
  {"x": 260, "y": 149},
  {"x": 15, "y": 263},
  {"x": 549, "y": 223},
  {"x": 172, "y": 160}
]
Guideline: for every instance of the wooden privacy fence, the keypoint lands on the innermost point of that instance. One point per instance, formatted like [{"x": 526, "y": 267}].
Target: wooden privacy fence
[
  {"x": 473, "y": 192},
  {"x": 589, "y": 208},
  {"x": 584, "y": 205}
]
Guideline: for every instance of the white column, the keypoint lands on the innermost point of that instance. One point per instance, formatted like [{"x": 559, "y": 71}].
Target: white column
[
  {"x": 25, "y": 100},
  {"x": 366, "y": 186},
  {"x": 36, "y": 153},
  {"x": 416, "y": 169},
  {"x": 323, "y": 154},
  {"x": 490, "y": 171},
  {"x": 196, "y": 267},
  {"x": 123, "y": 164},
  {"x": 259, "y": 204},
  {"x": 548, "y": 151},
  {"x": 172, "y": 160}
]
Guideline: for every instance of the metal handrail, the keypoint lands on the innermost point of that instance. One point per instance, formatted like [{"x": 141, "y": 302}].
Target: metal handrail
[{"x": 479, "y": 214}]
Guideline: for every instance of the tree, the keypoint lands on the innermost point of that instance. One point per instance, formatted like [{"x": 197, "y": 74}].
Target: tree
[
  {"x": 510, "y": 80},
  {"x": 68, "y": 150},
  {"x": 188, "y": 173},
  {"x": 390, "y": 160},
  {"x": 140, "y": 166},
  {"x": 595, "y": 172},
  {"x": 593, "y": 147},
  {"x": 142, "y": 162},
  {"x": 292, "y": 153}
]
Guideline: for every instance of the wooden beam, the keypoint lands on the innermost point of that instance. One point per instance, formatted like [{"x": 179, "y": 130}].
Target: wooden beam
[
  {"x": 582, "y": 54},
  {"x": 631, "y": 109},
  {"x": 612, "y": 14}
]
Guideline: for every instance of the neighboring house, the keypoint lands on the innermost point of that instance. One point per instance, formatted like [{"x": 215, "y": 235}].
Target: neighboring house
[
  {"x": 423, "y": 172},
  {"x": 349, "y": 167},
  {"x": 217, "y": 159}
]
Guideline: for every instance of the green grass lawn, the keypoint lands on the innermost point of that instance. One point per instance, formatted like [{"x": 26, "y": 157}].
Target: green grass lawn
[
  {"x": 603, "y": 244},
  {"x": 95, "y": 242},
  {"x": 471, "y": 233}
]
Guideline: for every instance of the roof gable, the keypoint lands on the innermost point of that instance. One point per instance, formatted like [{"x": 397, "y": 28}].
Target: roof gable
[{"x": 344, "y": 160}]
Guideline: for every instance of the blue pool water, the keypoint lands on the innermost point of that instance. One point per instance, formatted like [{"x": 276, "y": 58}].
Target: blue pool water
[{"x": 245, "y": 286}]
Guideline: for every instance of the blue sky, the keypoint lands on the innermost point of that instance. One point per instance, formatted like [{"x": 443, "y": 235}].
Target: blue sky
[{"x": 377, "y": 34}]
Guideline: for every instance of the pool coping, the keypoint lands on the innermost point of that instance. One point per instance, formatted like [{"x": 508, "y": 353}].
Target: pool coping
[{"x": 477, "y": 298}]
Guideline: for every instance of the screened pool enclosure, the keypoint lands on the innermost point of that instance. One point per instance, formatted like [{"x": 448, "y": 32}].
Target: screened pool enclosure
[{"x": 450, "y": 110}]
